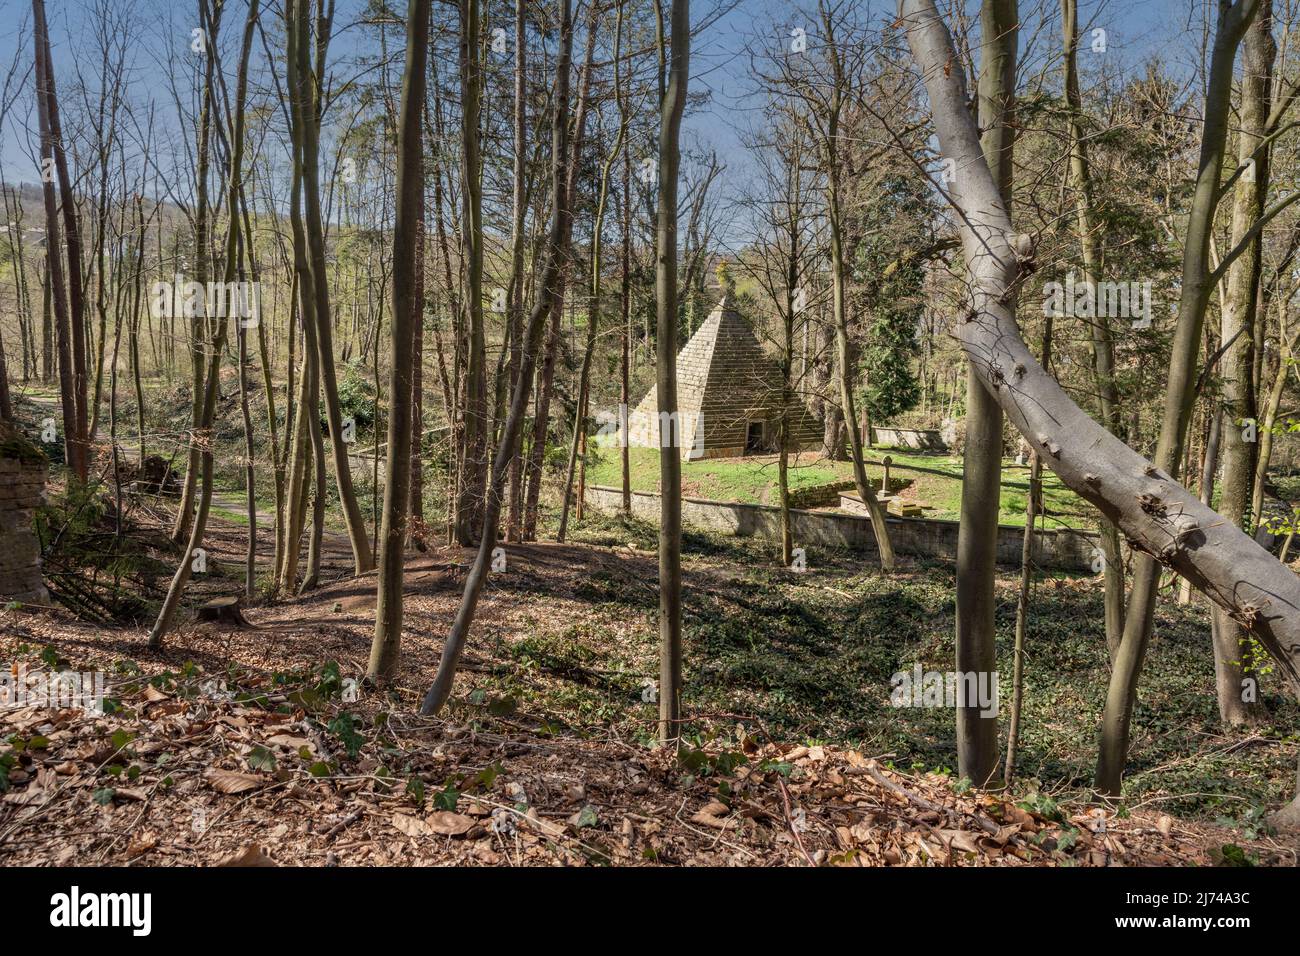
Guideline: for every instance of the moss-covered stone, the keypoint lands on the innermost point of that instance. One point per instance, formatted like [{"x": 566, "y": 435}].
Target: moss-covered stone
[{"x": 15, "y": 445}]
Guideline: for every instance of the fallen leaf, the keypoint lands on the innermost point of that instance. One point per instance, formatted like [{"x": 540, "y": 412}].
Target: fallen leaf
[
  {"x": 411, "y": 826},
  {"x": 450, "y": 824},
  {"x": 251, "y": 855},
  {"x": 712, "y": 814},
  {"x": 228, "y": 781}
]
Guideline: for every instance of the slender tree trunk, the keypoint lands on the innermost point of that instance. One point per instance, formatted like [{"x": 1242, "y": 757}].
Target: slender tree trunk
[
  {"x": 556, "y": 253},
  {"x": 593, "y": 306},
  {"x": 1286, "y": 346},
  {"x": 417, "y": 390},
  {"x": 514, "y": 516},
  {"x": 1022, "y": 618},
  {"x": 210, "y": 23},
  {"x": 470, "y": 505},
  {"x": 1236, "y": 686},
  {"x": 672, "y": 105},
  {"x": 1103, "y": 348},
  {"x": 57, "y": 293},
  {"x": 977, "y": 547},
  {"x": 1121, "y": 696},
  {"x": 305, "y": 99},
  {"x": 205, "y": 433},
  {"x": 625, "y": 343},
  {"x": 1026, "y": 579},
  {"x": 386, "y": 646}
]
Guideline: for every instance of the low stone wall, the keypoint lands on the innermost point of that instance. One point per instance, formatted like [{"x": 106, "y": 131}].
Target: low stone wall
[
  {"x": 817, "y": 496},
  {"x": 923, "y": 537},
  {"x": 22, "y": 490},
  {"x": 922, "y": 439}
]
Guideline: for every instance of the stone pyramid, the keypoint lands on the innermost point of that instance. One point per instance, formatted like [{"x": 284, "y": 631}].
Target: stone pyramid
[{"x": 728, "y": 396}]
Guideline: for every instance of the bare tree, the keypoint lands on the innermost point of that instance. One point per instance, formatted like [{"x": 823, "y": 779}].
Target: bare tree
[
  {"x": 1159, "y": 517},
  {"x": 386, "y": 646}
]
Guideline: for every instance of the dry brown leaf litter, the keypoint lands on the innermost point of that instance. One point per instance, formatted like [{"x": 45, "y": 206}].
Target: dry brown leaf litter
[{"x": 205, "y": 793}]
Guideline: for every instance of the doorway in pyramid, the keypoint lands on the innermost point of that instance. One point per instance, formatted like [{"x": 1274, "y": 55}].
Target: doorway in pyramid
[{"x": 729, "y": 397}]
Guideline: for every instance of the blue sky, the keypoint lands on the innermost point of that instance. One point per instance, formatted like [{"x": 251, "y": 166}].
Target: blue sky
[{"x": 1135, "y": 29}]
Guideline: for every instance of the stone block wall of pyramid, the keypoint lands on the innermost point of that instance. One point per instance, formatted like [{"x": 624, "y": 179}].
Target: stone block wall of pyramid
[{"x": 728, "y": 388}]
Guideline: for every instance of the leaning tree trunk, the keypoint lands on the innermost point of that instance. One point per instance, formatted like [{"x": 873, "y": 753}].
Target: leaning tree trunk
[
  {"x": 1159, "y": 517},
  {"x": 1197, "y": 283},
  {"x": 205, "y": 433},
  {"x": 556, "y": 252}
]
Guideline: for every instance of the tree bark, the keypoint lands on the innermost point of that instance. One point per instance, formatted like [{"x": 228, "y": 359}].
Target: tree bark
[
  {"x": 1121, "y": 696},
  {"x": 470, "y": 504},
  {"x": 64, "y": 299},
  {"x": 977, "y": 543},
  {"x": 672, "y": 106},
  {"x": 556, "y": 252},
  {"x": 1160, "y": 518},
  {"x": 385, "y": 648},
  {"x": 1103, "y": 347},
  {"x": 1240, "y": 445}
]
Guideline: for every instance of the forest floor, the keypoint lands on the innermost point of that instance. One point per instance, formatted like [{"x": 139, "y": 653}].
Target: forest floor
[{"x": 256, "y": 746}]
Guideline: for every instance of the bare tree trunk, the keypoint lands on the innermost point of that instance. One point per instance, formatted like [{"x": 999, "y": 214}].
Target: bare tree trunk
[
  {"x": 210, "y": 20},
  {"x": 1026, "y": 578},
  {"x": 625, "y": 344},
  {"x": 1197, "y": 283},
  {"x": 305, "y": 100},
  {"x": 672, "y": 105},
  {"x": 556, "y": 252},
  {"x": 66, "y": 316},
  {"x": 1286, "y": 346},
  {"x": 386, "y": 645},
  {"x": 1103, "y": 348},
  {"x": 514, "y": 513},
  {"x": 470, "y": 505},
  {"x": 1022, "y": 618},
  {"x": 977, "y": 545},
  {"x": 205, "y": 435},
  {"x": 839, "y": 307},
  {"x": 1235, "y": 684},
  {"x": 417, "y": 390},
  {"x": 250, "y": 466}
]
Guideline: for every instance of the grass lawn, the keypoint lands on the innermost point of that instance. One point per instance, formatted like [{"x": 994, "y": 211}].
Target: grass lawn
[{"x": 935, "y": 481}]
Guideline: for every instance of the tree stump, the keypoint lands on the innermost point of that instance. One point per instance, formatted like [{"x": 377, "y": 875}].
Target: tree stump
[{"x": 223, "y": 610}]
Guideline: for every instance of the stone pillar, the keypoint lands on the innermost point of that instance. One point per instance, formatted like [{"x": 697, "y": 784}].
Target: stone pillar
[{"x": 23, "y": 468}]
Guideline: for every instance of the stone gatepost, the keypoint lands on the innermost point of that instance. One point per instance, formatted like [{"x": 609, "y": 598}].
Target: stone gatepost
[{"x": 23, "y": 467}]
